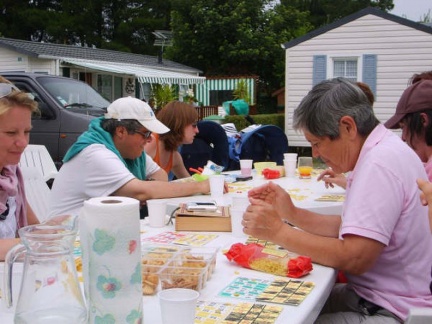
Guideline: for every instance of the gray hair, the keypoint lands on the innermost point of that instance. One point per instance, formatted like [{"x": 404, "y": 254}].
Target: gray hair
[
  {"x": 321, "y": 110},
  {"x": 110, "y": 125}
]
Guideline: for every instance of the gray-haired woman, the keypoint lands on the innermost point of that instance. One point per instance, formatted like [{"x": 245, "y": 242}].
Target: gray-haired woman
[{"x": 382, "y": 240}]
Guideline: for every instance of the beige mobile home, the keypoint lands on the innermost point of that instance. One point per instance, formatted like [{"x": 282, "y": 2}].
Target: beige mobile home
[{"x": 371, "y": 46}]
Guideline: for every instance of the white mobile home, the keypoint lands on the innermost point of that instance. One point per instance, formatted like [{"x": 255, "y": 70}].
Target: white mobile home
[
  {"x": 114, "y": 74},
  {"x": 371, "y": 46}
]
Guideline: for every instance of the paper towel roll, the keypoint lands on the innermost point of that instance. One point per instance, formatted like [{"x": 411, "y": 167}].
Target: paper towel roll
[{"x": 111, "y": 253}]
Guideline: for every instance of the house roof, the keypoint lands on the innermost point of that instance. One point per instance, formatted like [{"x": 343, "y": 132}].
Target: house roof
[
  {"x": 367, "y": 11},
  {"x": 59, "y": 51}
]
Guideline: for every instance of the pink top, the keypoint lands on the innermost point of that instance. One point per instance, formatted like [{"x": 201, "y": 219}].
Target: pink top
[
  {"x": 384, "y": 177},
  {"x": 12, "y": 185},
  {"x": 428, "y": 168}
]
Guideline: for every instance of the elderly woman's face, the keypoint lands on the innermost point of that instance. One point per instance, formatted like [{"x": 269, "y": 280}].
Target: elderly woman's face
[
  {"x": 336, "y": 153},
  {"x": 15, "y": 126}
]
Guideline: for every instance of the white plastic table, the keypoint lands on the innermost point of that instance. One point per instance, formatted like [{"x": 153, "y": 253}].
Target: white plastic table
[
  {"x": 226, "y": 271},
  {"x": 304, "y": 194}
]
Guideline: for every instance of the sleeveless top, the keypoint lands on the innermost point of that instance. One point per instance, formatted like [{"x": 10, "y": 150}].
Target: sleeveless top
[{"x": 156, "y": 158}]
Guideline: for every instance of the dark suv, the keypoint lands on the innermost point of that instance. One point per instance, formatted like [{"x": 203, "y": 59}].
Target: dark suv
[{"x": 66, "y": 106}]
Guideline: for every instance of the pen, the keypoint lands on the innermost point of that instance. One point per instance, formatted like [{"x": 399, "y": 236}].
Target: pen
[{"x": 195, "y": 170}]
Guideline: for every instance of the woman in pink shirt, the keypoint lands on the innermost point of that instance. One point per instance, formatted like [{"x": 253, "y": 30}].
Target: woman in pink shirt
[{"x": 381, "y": 241}]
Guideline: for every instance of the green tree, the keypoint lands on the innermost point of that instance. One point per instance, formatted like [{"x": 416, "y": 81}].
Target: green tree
[
  {"x": 242, "y": 92},
  {"x": 323, "y": 12},
  {"x": 220, "y": 37},
  {"x": 27, "y": 19},
  {"x": 162, "y": 94},
  {"x": 124, "y": 25},
  {"x": 427, "y": 17},
  {"x": 234, "y": 37}
]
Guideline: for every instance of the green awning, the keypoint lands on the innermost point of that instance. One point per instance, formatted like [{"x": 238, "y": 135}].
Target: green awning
[{"x": 143, "y": 74}]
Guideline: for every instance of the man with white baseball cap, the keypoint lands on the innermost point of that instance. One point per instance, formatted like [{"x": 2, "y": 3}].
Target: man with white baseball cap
[
  {"x": 133, "y": 108},
  {"x": 109, "y": 159}
]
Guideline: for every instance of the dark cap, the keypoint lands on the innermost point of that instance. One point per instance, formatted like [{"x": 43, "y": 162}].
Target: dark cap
[{"x": 415, "y": 98}]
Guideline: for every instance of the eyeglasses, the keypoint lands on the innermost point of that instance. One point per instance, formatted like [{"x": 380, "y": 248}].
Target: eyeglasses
[
  {"x": 6, "y": 89},
  {"x": 146, "y": 135}
]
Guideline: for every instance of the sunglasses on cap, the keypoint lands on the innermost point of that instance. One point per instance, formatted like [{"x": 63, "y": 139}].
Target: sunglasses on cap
[{"x": 6, "y": 89}]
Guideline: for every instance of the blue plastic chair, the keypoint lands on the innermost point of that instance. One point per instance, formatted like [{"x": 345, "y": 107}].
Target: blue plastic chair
[
  {"x": 265, "y": 143},
  {"x": 211, "y": 143}
]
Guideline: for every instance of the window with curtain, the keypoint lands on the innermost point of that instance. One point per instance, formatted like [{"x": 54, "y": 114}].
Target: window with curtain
[
  {"x": 105, "y": 85},
  {"x": 360, "y": 68},
  {"x": 346, "y": 68}
]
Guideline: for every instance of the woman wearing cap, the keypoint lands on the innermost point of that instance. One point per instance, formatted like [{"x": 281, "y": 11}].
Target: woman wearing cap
[
  {"x": 16, "y": 109},
  {"x": 414, "y": 117},
  {"x": 109, "y": 160},
  {"x": 181, "y": 118}
]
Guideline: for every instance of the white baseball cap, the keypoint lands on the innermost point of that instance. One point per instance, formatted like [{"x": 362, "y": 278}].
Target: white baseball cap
[{"x": 133, "y": 108}]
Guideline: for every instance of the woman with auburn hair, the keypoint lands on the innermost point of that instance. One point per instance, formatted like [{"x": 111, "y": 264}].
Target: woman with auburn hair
[
  {"x": 181, "y": 118},
  {"x": 16, "y": 109}
]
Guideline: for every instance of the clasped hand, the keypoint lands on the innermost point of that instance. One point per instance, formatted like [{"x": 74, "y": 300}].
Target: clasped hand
[{"x": 269, "y": 204}]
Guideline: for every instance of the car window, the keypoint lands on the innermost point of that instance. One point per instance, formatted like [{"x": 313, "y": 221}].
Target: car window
[{"x": 45, "y": 111}]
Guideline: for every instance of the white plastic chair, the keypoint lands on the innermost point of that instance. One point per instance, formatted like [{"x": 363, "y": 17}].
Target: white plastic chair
[
  {"x": 38, "y": 156},
  {"x": 421, "y": 315},
  {"x": 37, "y": 191}
]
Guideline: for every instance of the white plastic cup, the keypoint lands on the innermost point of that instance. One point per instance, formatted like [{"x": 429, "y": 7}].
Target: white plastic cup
[
  {"x": 239, "y": 202},
  {"x": 216, "y": 188},
  {"x": 236, "y": 225},
  {"x": 290, "y": 168},
  {"x": 156, "y": 212},
  {"x": 290, "y": 156},
  {"x": 246, "y": 167},
  {"x": 178, "y": 305}
]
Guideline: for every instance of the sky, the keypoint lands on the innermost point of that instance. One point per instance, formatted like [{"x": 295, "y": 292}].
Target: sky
[{"x": 412, "y": 9}]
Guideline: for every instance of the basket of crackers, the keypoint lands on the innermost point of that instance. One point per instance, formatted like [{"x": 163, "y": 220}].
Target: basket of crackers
[{"x": 170, "y": 266}]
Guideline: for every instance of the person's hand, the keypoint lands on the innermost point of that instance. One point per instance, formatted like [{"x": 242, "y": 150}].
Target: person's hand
[
  {"x": 226, "y": 189},
  {"x": 426, "y": 197},
  {"x": 330, "y": 178},
  {"x": 426, "y": 192},
  {"x": 261, "y": 220},
  {"x": 274, "y": 195},
  {"x": 264, "y": 192},
  {"x": 61, "y": 220}
]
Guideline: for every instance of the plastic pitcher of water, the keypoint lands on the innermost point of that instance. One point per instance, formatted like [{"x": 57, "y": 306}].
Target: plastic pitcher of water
[{"x": 50, "y": 291}]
